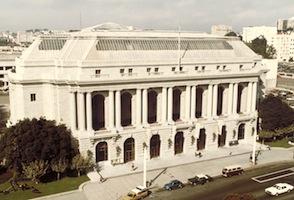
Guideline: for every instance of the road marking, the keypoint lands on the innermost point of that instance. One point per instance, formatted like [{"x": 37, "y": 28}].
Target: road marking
[{"x": 288, "y": 172}]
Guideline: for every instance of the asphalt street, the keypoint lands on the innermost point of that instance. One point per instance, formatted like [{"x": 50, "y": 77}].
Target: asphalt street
[{"x": 221, "y": 187}]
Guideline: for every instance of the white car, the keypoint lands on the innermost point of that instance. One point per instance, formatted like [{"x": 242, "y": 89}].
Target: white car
[{"x": 278, "y": 189}]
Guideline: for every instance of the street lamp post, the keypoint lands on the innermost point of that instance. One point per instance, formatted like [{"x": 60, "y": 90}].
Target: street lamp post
[{"x": 145, "y": 166}]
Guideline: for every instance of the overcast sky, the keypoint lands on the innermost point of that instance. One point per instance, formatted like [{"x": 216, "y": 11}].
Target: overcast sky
[{"x": 197, "y": 15}]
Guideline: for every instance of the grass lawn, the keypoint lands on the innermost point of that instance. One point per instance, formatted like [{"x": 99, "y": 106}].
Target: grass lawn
[
  {"x": 65, "y": 184},
  {"x": 279, "y": 143}
]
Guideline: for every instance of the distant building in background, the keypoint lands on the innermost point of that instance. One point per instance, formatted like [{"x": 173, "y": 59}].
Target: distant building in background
[
  {"x": 252, "y": 32},
  {"x": 25, "y": 37},
  {"x": 7, "y": 63},
  {"x": 284, "y": 45},
  {"x": 221, "y": 30},
  {"x": 285, "y": 25}
]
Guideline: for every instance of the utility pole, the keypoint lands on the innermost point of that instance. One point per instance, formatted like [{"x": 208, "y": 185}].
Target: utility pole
[{"x": 145, "y": 166}]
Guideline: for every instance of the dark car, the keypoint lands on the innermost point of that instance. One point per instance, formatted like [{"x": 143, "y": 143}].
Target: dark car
[
  {"x": 174, "y": 184},
  {"x": 200, "y": 179}
]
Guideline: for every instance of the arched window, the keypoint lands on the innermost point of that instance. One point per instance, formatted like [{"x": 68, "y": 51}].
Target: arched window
[
  {"x": 201, "y": 140},
  {"x": 220, "y": 96},
  {"x": 222, "y": 137},
  {"x": 199, "y": 97},
  {"x": 152, "y": 106},
  {"x": 129, "y": 150},
  {"x": 126, "y": 109},
  {"x": 239, "y": 101},
  {"x": 101, "y": 152},
  {"x": 154, "y": 146},
  {"x": 98, "y": 112},
  {"x": 176, "y": 104},
  {"x": 241, "y": 132},
  {"x": 179, "y": 143}
]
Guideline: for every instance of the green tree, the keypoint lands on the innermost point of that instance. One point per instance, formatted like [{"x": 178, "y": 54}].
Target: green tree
[
  {"x": 59, "y": 166},
  {"x": 3, "y": 118},
  {"x": 231, "y": 34},
  {"x": 270, "y": 52},
  {"x": 275, "y": 113},
  {"x": 81, "y": 164},
  {"x": 36, "y": 139},
  {"x": 259, "y": 46},
  {"x": 35, "y": 170}
]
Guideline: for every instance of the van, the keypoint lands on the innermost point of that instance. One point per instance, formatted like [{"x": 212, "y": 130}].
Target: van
[{"x": 232, "y": 170}]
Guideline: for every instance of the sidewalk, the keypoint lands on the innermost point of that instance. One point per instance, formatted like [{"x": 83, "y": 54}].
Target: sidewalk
[{"x": 117, "y": 186}]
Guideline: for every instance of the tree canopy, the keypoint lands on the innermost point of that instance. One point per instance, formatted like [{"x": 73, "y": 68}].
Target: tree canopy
[
  {"x": 275, "y": 113},
  {"x": 259, "y": 45},
  {"x": 3, "y": 118},
  {"x": 36, "y": 139}
]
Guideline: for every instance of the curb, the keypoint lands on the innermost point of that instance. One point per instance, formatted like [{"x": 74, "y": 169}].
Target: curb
[
  {"x": 57, "y": 195},
  {"x": 182, "y": 164}
]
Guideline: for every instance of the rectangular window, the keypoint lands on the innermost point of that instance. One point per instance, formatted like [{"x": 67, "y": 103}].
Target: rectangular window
[
  {"x": 224, "y": 67},
  {"x": 130, "y": 70},
  {"x": 1, "y": 75},
  {"x": 173, "y": 69},
  {"x": 1, "y": 68},
  {"x": 148, "y": 69},
  {"x": 196, "y": 68},
  {"x": 97, "y": 71},
  {"x": 241, "y": 66},
  {"x": 7, "y": 68},
  {"x": 156, "y": 69},
  {"x": 122, "y": 71},
  {"x": 33, "y": 97},
  {"x": 203, "y": 68},
  {"x": 181, "y": 69},
  {"x": 217, "y": 67}
]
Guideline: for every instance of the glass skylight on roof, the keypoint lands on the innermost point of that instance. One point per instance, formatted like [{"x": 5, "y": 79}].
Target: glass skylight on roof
[
  {"x": 149, "y": 44},
  {"x": 52, "y": 44}
]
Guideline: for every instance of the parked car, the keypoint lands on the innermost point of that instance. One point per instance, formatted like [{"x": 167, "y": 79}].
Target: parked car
[
  {"x": 200, "y": 179},
  {"x": 174, "y": 184},
  {"x": 232, "y": 170},
  {"x": 291, "y": 141},
  {"x": 233, "y": 142},
  {"x": 140, "y": 192},
  {"x": 278, "y": 189}
]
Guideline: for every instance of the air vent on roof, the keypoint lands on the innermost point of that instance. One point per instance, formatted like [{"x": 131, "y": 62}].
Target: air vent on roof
[
  {"x": 125, "y": 44},
  {"x": 52, "y": 44}
]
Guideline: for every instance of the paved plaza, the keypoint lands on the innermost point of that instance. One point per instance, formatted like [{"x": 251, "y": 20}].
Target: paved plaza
[{"x": 118, "y": 185}]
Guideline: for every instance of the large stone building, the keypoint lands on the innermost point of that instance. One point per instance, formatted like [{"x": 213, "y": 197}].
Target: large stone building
[
  {"x": 120, "y": 90},
  {"x": 7, "y": 62}
]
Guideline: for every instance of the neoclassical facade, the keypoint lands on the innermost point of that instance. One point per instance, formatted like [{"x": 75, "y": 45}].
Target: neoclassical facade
[{"x": 120, "y": 90}]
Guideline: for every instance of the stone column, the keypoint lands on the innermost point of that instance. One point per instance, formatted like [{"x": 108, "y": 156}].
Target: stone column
[
  {"x": 249, "y": 97},
  {"x": 170, "y": 104},
  {"x": 117, "y": 110},
  {"x": 214, "y": 98},
  {"x": 254, "y": 95},
  {"x": 235, "y": 98},
  {"x": 72, "y": 111},
  {"x": 187, "y": 105},
  {"x": 138, "y": 108},
  {"x": 193, "y": 103},
  {"x": 230, "y": 98},
  {"x": 164, "y": 105},
  {"x": 89, "y": 111},
  {"x": 81, "y": 111},
  {"x": 145, "y": 107},
  {"x": 209, "y": 101},
  {"x": 111, "y": 109}
]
